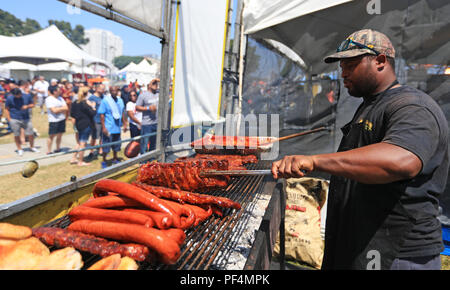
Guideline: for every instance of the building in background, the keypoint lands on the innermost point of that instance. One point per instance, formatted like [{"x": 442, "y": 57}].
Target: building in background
[{"x": 103, "y": 44}]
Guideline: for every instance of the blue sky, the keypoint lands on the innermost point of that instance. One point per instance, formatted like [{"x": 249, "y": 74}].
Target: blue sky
[{"x": 134, "y": 42}]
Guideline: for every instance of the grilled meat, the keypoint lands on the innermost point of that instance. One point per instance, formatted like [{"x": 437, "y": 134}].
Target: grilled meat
[
  {"x": 184, "y": 175},
  {"x": 61, "y": 238}
]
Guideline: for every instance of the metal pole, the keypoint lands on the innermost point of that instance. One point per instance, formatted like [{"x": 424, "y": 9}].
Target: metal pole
[{"x": 163, "y": 111}]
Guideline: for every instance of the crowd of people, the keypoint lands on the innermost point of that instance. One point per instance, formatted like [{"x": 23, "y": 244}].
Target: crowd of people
[{"x": 98, "y": 114}]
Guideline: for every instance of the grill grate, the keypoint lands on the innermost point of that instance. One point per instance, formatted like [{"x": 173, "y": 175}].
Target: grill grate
[{"x": 210, "y": 244}]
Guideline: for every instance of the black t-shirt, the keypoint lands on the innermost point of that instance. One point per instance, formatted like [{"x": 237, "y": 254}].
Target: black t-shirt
[
  {"x": 83, "y": 114},
  {"x": 415, "y": 122},
  {"x": 358, "y": 212}
]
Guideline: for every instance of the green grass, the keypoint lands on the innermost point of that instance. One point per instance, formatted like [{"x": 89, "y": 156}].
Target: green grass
[{"x": 40, "y": 123}]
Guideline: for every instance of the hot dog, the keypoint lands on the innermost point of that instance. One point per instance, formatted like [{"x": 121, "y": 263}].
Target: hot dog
[
  {"x": 111, "y": 201},
  {"x": 200, "y": 213},
  {"x": 149, "y": 200},
  {"x": 167, "y": 249},
  {"x": 175, "y": 234},
  {"x": 91, "y": 213},
  {"x": 161, "y": 220}
]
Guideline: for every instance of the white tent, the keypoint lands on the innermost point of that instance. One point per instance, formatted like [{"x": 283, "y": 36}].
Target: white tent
[
  {"x": 45, "y": 46},
  {"x": 143, "y": 72}
]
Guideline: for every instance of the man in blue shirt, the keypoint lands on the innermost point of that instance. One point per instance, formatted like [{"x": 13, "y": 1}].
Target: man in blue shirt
[
  {"x": 97, "y": 97},
  {"x": 112, "y": 117},
  {"x": 17, "y": 107}
]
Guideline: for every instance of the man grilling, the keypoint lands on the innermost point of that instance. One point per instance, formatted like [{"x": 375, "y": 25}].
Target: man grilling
[{"x": 390, "y": 168}]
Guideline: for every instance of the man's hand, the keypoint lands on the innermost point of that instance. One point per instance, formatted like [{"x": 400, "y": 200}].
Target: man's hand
[
  {"x": 105, "y": 131},
  {"x": 292, "y": 166}
]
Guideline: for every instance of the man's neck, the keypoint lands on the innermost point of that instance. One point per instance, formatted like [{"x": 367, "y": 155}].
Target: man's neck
[{"x": 385, "y": 84}]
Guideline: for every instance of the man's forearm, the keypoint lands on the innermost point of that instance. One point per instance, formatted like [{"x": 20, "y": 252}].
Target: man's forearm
[{"x": 373, "y": 164}]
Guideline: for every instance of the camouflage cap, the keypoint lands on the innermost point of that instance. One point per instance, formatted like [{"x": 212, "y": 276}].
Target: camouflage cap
[{"x": 366, "y": 41}]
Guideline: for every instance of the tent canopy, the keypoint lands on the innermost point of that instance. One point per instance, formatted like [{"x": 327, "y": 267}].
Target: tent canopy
[
  {"x": 147, "y": 12},
  {"x": 45, "y": 46},
  {"x": 419, "y": 29}
]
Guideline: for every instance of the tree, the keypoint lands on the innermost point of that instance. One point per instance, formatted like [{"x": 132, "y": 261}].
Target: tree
[
  {"x": 76, "y": 35},
  {"x": 13, "y": 26}
]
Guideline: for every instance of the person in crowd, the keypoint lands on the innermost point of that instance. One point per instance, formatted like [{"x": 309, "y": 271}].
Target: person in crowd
[
  {"x": 134, "y": 117},
  {"x": 83, "y": 112},
  {"x": 2, "y": 100},
  {"x": 57, "y": 111},
  {"x": 147, "y": 103},
  {"x": 17, "y": 107},
  {"x": 97, "y": 98},
  {"x": 41, "y": 88},
  {"x": 112, "y": 116},
  {"x": 390, "y": 169},
  {"x": 67, "y": 93},
  {"x": 125, "y": 94}
]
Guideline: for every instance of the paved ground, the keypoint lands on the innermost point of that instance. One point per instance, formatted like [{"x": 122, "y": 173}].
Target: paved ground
[{"x": 8, "y": 153}]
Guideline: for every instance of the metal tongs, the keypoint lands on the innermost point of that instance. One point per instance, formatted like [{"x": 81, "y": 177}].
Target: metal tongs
[{"x": 236, "y": 172}]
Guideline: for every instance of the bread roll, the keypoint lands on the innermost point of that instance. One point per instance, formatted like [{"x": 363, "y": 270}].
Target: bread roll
[
  {"x": 14, "y": 232},
  {"x": 126, "y": 263},
  {"x": 109, "y": 263}
]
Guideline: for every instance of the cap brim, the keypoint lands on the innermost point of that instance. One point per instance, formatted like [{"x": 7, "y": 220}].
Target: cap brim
[{"x": 346, "y": 54}]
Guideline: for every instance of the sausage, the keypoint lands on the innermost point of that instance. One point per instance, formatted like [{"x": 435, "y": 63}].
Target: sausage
[
  {"x": 149, "y": 200},
  {"x": 161, "y": 220},
  {"x": 200, "y": 213},
  {"x": 177, "y": 235},
  {"x": 91, "y": 213},
  {"x": 111, "y": 201},
  {"x": 188, "y": 197},
  {"x": 62, "y": 238},
  {"x": 167, "y": 249}
]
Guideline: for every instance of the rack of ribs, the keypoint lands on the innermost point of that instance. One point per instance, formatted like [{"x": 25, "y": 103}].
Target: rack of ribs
[{"x": 184, "y": 175}]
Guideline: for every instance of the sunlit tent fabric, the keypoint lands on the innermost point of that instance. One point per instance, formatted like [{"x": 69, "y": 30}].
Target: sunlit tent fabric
[
  {"x": 198, "y": 64},
  {"x": 147, "y": 12},
  {"x": 45, "y": 46}
]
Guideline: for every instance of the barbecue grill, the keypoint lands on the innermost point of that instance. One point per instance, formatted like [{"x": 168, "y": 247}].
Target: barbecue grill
[{"x": 241, "y": 239}]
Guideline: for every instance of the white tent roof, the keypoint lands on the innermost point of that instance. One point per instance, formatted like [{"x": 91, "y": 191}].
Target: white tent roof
[
  {"x": 260, "y": 14},
  {"x": 45, "y": 46},
  {"x": 147, "y": 12},
  {"x": 143, "y": 67},
  {"x": 146, "y": 67},
  {"x": 130, "y": 67},
  {"x": 16, "y": 65}
]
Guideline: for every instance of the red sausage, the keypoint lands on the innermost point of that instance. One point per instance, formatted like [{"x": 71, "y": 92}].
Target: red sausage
[
  {"x": 111, "y": 201},
  {"x": 200, "y": 213},
  {"x": 91, "y": 213},
  {"x": 149, "y": 200},
  {"x": 175, "y": 234},
  {"x": 161, "y": 220},
  {"x": 167, "y": 249}
]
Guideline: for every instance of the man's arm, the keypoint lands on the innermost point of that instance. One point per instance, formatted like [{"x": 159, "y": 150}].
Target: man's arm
[
  {"x": 148, "y": 108},
  {"x": 141, "y": 108},
  {"x": 102, "y": 120},
  {"x": 373, "y": 164}
]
